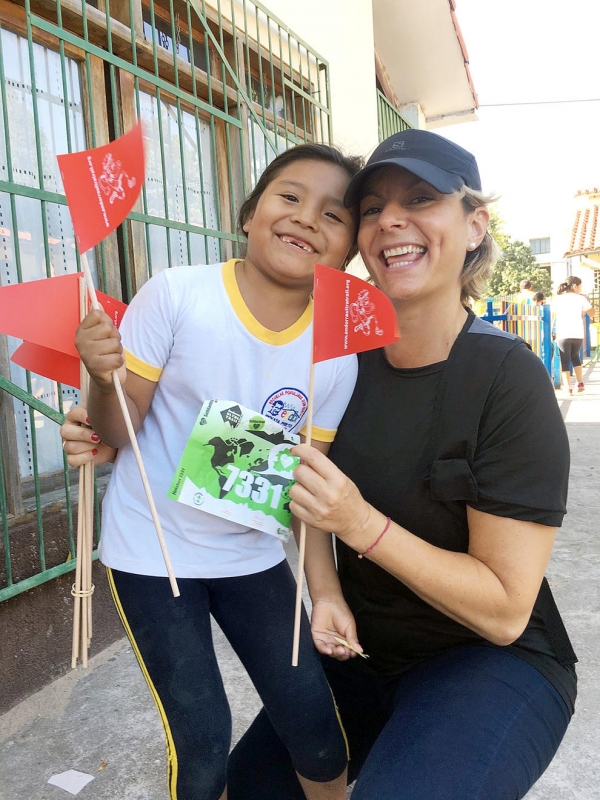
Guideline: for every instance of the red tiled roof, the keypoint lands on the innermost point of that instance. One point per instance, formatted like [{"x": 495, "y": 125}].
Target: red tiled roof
[
  {"x": 463, "y": 48},
  {"x": 585, "y": 234}
]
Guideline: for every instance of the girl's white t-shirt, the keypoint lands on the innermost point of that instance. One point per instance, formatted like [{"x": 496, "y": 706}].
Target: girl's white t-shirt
[
  {"x": 189, "y": 330},
  {"x": 568, "y": 310}
]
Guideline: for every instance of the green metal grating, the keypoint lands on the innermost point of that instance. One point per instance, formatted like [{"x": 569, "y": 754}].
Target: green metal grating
[
  {"x": 389, "y": 118},
  {"x": 222, "y": 88}
]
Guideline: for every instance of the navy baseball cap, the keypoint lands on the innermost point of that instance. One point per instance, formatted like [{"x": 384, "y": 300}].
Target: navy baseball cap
[{"x": 437, "y": 161}]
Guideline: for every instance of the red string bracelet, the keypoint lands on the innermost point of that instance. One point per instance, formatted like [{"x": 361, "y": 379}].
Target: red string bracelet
[{"x": 378, "y": 539}]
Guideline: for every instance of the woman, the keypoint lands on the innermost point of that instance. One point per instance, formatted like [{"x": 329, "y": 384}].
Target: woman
[
  {"x": 568, "y": 309},
  {"x": 470, "y": 683},
  {"x": 444, "y": 512}
]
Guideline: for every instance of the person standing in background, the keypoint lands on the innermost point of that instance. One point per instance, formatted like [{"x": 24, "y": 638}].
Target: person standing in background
[
  {"x": 568, "y": 310},
  {"x": 525, "y": 292}
]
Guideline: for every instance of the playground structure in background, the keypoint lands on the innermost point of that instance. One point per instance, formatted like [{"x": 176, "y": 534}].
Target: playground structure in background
[{"x": 533, "y": 323}]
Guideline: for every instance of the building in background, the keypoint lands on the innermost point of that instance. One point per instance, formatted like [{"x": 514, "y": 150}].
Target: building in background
[
  {"x": 576, "y": 249},
  {"x": 549, "y": 254},
  {"x": 583, "y": 253},
  {"x": 541, "y": 250}
]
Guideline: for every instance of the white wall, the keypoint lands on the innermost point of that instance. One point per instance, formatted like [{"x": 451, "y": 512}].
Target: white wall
[{"x": 341, "y": 31}]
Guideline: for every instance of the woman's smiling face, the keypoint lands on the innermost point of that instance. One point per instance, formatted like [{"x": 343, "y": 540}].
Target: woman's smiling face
[{"x": 413, "y": 239}]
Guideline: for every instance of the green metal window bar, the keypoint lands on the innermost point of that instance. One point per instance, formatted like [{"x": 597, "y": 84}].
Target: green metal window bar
[
  {"x": 222, "y": 87},
  {"x": 389, "y": 119}
]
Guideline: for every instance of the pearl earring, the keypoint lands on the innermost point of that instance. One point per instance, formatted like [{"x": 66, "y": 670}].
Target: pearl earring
[{"x": 472, "y": 245}]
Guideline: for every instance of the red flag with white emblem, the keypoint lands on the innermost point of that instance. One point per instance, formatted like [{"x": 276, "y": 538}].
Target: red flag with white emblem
[
  {"x": 102, "y": 186},
  {"x": 350, "y": 315}
]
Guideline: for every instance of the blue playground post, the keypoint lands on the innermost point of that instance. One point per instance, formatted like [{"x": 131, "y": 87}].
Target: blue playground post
[{"x": 546, "y": 338}]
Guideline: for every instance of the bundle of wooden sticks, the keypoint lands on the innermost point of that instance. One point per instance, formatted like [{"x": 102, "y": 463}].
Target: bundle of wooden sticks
[{"x": 83, "y": 587}]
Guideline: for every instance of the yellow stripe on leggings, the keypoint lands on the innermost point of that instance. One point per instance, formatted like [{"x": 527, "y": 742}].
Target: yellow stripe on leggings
[
  {"x": 172, "y": 764},
  {"x": 337, "y": 713}
]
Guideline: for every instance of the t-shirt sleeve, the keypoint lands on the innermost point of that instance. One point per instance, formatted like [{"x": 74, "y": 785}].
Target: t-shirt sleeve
[
  {"x": 147, "y": 328},
  {"x": 521, "y": 463},
  {"x": 331, "y": 409}
]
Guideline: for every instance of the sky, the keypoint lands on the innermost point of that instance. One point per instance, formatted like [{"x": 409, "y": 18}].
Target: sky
[{"x": 536, "y": 157}]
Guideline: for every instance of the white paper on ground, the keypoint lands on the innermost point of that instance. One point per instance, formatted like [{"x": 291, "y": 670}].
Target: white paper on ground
[{"x": 71, "y": 780}]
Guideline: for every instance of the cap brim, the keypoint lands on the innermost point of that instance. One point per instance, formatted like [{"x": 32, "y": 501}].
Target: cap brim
[{"x": 444, "y": 182}]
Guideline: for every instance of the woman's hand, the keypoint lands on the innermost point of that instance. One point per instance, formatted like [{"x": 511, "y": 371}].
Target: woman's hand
[
  {"x": 99, "y": 345},
  {"x": 331, "y": 619},
  {"x": 80, "y": 443},
  {"x": 325, "y": 498}
]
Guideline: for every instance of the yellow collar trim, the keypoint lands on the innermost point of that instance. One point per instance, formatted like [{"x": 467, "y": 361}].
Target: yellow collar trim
[{"x": 250, "y": 322}]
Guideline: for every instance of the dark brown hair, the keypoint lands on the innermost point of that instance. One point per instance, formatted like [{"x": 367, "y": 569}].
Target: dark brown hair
[
  {"x": 569, "y": 285},
  {"x": 302, "y": 152}
]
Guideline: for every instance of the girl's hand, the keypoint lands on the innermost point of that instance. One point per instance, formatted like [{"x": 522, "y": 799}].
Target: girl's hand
[
  {"x": 324, "y": 497},
  {"x": 99, "y": 345},
  {"x": 80, "y": 443},
  {"x": 331, "y": 618}
]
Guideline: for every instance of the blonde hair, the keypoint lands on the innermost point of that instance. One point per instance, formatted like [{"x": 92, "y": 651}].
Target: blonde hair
[{"x": 478, "y": 265}]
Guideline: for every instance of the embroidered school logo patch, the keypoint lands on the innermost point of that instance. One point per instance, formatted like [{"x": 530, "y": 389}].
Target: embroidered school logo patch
[{"x": 286, "y": 406}]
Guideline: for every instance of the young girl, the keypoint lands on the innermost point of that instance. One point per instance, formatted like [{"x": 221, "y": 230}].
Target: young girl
[{"x": 238, "y": 331}]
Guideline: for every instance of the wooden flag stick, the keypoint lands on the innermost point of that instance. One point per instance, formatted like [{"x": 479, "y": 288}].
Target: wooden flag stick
[
  {"x": 89, "y": 536},
  {"x": 80, "y": 609},
  {"x": 76, "y": 590},
  {"x": 134, "y": 444},
  {"x": 86, "y": 476},
  {"x": 84, "y": 556},
  {"x": 302, "y": 542}
]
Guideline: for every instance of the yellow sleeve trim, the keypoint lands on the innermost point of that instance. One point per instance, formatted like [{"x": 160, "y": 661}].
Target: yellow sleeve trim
[
  {"x": 321, "y": 434},
  {"x": 139, "y": 367}
]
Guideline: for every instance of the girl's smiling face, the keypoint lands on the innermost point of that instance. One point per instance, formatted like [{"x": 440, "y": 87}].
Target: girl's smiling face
[
  {"x": 412, "y": 238},
  {"x": 299, "y": 220}
]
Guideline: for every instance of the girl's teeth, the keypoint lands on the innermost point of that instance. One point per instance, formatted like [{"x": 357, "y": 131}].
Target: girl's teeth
[{"x": 300, "y": 246}]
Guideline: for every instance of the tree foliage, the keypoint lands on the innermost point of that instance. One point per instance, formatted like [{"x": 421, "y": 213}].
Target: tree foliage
[
  {"x": 496, "y": 228},
  {"x": 516, "y": 264}
]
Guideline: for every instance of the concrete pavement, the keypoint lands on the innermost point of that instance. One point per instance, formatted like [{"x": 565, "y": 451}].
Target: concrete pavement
[{"x": 103, "y": 722}]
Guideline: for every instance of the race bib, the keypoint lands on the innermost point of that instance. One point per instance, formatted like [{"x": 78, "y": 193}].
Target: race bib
[{"x": 237, "y": 465}]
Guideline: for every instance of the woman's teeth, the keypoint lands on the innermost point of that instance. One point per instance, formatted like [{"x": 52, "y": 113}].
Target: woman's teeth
[
  {"x": 407, "y": 254},
  {"x": 402, "y": 251}
]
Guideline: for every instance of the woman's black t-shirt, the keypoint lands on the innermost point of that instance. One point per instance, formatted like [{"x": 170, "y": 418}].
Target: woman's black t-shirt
[{"x": 521, "y": 468}]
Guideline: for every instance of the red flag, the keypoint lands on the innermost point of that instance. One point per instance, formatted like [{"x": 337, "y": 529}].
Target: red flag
[
  {"x": 49, "y": 363},
  {"x": 45, "y": 314},
  {"x": 102, "y": 186},
  {"x": 350, "y": 315}
]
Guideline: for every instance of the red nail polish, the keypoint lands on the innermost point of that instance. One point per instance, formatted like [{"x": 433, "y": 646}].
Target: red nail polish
[
  {"x": 94, "y": 452},
  {"x": 94, "y": 437},
  {"x": 87, "y": 419}
]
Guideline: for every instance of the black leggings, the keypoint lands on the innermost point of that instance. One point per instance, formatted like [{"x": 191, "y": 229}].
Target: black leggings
[
  {"x": 172, "y": 640},
  {"x": 569, "y": 353}
]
